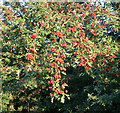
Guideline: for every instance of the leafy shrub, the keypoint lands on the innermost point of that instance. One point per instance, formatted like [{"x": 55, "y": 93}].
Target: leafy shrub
[{"x": 54, "y": 52}]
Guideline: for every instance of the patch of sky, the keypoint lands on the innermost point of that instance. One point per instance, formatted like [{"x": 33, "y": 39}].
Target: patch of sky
[
  {"x": 31, "y": 20},
  {"x": 22, "y": 3},
  {"x": 47, "y": 41}
]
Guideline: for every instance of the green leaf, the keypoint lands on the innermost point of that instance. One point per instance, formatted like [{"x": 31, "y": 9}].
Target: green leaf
[
  {"x": 52, "y": 99},
  {"x": 64, "y": 73},
  {"x": 62, "y": 99},
  {"x": 7, "y": 60}
]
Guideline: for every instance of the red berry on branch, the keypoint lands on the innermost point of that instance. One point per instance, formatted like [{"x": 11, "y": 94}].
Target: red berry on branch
[
  {"x": 34, "y": 36},
  {"x": 33, "y": 50}
]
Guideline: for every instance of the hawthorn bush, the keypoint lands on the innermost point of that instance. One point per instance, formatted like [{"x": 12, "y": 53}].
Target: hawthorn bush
[{"x": 60, "y": 57}]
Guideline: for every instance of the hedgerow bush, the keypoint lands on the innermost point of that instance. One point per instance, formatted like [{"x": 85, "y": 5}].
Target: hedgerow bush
[{"x": 60, "y": 57}]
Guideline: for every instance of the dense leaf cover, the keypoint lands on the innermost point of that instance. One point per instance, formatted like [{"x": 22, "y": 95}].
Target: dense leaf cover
[{"x": 60, "y": 57}]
